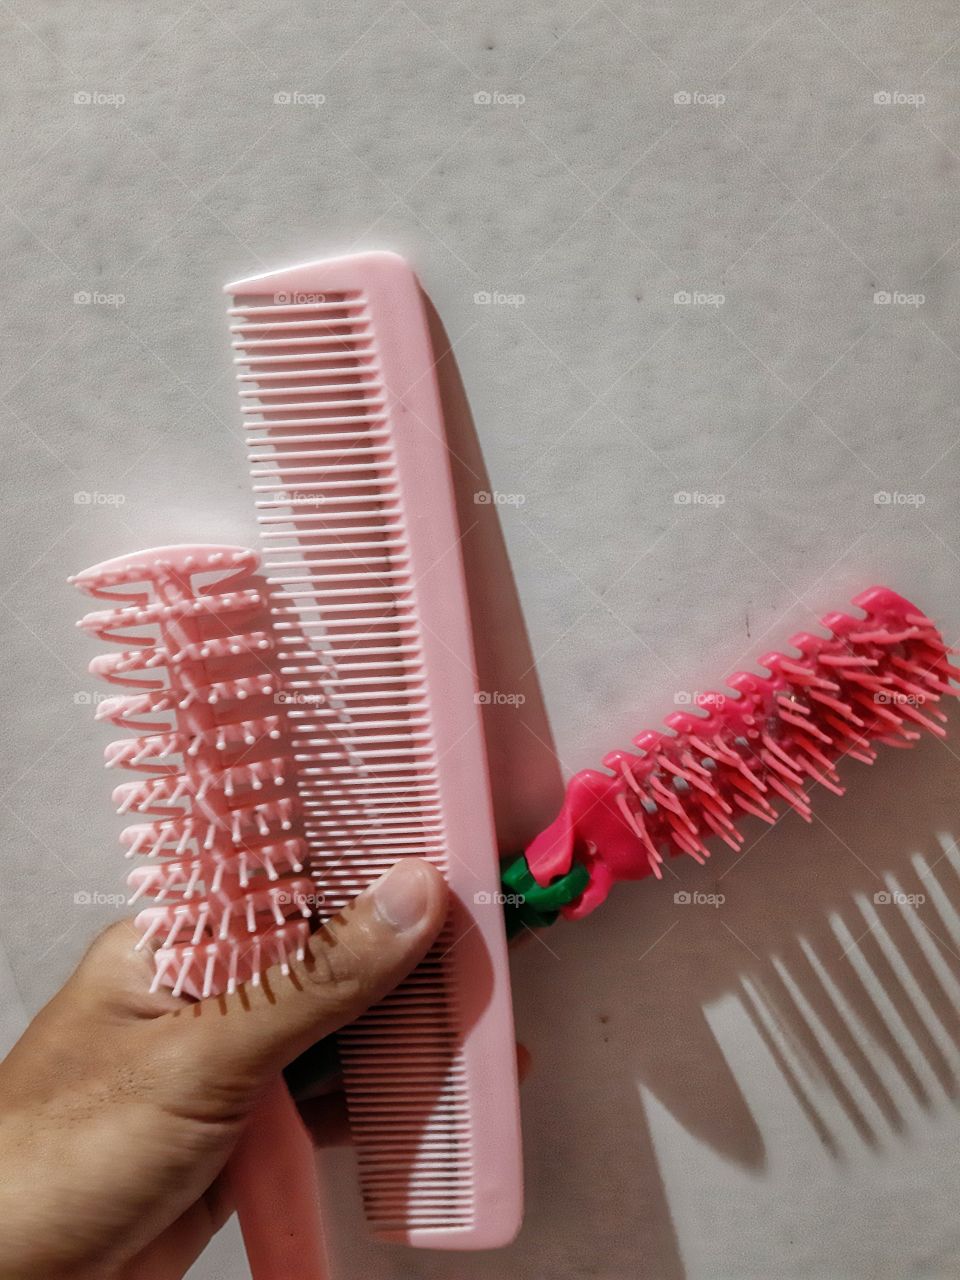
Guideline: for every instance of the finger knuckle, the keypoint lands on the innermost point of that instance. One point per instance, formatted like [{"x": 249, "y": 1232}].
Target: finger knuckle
[{"x": 331, "y": 967}]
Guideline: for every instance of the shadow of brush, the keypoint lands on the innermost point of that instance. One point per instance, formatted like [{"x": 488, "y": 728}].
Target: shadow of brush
[{"x": 864, "y": 995}]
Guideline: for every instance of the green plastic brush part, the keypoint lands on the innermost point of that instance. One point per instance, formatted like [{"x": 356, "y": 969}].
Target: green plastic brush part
[{"x": 529, "y": 905}]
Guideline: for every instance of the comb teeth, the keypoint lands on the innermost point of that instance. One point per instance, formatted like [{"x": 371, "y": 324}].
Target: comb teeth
[
  {"x": 756, "y": 750},
  {"x": 219, "y": 863},
  {"x": 354, "y": 501}
]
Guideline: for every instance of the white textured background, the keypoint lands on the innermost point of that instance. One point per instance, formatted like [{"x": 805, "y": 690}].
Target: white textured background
[{"x": 765, "y": 1088}]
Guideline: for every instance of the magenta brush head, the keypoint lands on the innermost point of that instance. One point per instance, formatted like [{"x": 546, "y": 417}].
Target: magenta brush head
[{"x": 754, "y": 749}]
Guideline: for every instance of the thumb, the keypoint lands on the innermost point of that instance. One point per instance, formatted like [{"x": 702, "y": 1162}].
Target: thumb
[{"x": 240, "y": 1041}]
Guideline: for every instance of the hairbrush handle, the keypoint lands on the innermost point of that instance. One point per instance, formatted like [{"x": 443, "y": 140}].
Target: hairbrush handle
[{"x": 273, "y": 1178}]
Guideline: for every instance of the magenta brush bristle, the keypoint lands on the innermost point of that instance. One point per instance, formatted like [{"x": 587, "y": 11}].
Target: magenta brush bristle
[{"x": 754, "y": 749}]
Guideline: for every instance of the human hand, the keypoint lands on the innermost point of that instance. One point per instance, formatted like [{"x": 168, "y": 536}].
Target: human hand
[{"x": 119, "y": 1109}]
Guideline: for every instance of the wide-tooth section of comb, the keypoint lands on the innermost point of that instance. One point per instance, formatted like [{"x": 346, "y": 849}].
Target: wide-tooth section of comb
[
  {"x": 755, "y": 748},
  {"x": 231, "y": 896},
  {"x": 355, "y": 504}
]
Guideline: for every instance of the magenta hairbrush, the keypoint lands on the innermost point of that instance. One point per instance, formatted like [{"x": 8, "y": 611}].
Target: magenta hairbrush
[{"x": 755, "y": 749}]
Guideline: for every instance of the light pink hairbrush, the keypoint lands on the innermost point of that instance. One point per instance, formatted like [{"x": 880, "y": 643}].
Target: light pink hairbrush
[{"x": 218, "y": 854}]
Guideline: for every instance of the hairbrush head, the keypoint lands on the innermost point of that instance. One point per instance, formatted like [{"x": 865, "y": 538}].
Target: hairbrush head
[
  {"x": 754, "y": 748},
  {"x": 218, "y": 858}
]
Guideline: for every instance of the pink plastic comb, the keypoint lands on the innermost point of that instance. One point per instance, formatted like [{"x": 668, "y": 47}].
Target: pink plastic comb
[
  {"x": 355, "y": 503},
  {"x": 753, "y": 749}
]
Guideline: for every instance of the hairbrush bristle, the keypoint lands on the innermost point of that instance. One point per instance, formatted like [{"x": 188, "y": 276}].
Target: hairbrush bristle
[
  {"x": 755, "y": 749},
  {"x": 225, "y": 877}
]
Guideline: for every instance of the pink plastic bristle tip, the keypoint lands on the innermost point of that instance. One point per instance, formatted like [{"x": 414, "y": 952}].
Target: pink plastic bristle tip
[{"x": 781, "y": 733}]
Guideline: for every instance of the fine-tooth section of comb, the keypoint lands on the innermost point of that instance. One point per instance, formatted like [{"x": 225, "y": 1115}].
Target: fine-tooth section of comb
[
  {"x": 354, "y": 499},
  {"x": 755, "y": 749}
]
